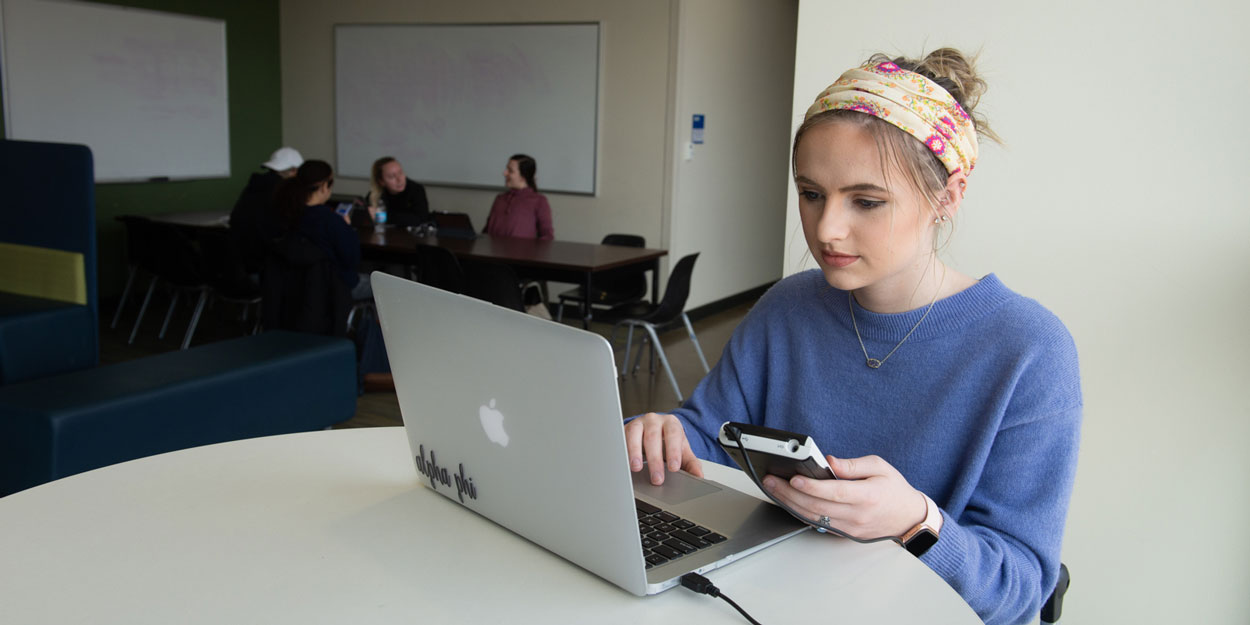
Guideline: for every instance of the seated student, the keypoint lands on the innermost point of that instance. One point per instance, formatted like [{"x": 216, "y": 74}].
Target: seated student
[
  {"x": 302, "y": 208},
  {"x": 951, "y": 403},
  {"x": 521, "y": 211},
  {"x": 252, "y": 221},
  {"x": 404, "y": 199}
]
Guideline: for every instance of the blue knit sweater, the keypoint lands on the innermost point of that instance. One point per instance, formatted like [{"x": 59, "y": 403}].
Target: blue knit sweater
[{"x": 980, "y": 409}]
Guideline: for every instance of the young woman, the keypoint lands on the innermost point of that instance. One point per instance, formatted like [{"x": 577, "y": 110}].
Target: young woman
[
  {"x": 303, "y": 209},
  {"x": 405, "y": 200},
  {"x": 521, "y": 211},
  {"x": 951, "y": 404}
]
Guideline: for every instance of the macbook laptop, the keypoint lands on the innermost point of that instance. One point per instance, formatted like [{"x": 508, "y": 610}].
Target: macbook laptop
[
  {"x": 454, "y": 225},
  {"x": 518, "y": 419}
]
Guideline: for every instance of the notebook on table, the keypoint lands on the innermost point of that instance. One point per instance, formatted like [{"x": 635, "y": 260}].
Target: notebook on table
[{"x": 519, "y": 420}]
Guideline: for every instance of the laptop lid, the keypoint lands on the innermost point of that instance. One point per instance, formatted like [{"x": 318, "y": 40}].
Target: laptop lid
[
  {"x": 454, "y": 225},
  {"x": 543, "y": 455},
  {"x": 519, "y": 419}
]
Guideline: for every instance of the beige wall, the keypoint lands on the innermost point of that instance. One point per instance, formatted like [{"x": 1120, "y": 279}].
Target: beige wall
[
  {"x": 1119, "y": 203},
  {"x": 730, "y": 60},
  {"x": 634, "y": 96},
  {"x": 734, "y": 64}
]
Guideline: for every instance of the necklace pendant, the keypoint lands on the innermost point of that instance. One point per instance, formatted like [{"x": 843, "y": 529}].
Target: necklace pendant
[{"x": 873, "y": 363}]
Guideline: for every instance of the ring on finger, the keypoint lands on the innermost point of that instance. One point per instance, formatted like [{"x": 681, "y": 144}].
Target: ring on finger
[{"x": 824, "y": 520}]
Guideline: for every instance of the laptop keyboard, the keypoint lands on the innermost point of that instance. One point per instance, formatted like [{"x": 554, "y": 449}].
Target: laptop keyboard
[{"x": 666, "y": 536}]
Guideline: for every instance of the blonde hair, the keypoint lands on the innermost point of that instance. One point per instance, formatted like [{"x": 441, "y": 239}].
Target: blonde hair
[{"x": 375, "y": 175}]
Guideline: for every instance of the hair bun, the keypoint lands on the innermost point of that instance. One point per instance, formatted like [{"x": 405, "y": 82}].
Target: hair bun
[{"x": 956, "y": 74}]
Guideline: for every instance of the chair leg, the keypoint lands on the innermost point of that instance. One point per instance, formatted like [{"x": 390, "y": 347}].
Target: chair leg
[
  {"x": 142, "y": 309},
  {"x": 173, "y": 301},
  {"x": 695, "y": 340},
  {"x": 642, "y": 342},
  {"x": 195, "y": 319},
  {"x": 121, "y": 303},
  {"x": 259, "y": 315},
  {"x": 612, "y": 341},
  {"x": 658, "y": 350},
  {"x": 629, "y": 341},
  {"x": 560, "y": 311}
]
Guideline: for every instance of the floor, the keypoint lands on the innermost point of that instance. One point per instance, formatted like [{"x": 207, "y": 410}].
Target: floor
[{"x": 640, "y": 392}]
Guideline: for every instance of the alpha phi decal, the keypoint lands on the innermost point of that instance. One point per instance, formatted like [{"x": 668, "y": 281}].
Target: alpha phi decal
[{"x": 438, "y": 475}]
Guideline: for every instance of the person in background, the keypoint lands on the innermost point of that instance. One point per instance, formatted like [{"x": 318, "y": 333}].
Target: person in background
[
  {"x": 521, "y": 211},
  {"x": 252, "y": 222},
  {"x": 952, "y": 403},
  {"x": 302, "y": 208},
  {"x": 403, "y": 198}
]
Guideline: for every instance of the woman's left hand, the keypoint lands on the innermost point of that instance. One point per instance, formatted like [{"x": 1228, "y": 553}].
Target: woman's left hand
[{"x": 869, "y": 500}]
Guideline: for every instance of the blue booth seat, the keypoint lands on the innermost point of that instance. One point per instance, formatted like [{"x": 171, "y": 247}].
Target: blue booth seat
[
  {"x": 47, "y": 234},
  {"x": 40, "y": 337},
  {"x": 272, "y": 383}
]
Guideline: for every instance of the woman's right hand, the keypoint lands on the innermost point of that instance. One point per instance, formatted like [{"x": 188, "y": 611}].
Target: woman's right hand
[{"x": 661, "y": 441}]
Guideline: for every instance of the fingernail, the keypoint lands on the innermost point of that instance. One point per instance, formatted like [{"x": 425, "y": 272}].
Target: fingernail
[
  {"x": 770, "y": 482},
  {"x": 673, "y": 465},
  {"x": 657, "y": 477},
  {"x": 635, "y": 464},
  {"x": 798, "y": 482}
]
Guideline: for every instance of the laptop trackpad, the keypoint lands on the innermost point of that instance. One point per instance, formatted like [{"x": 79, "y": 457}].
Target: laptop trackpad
[{"x": 677, "y": 487}]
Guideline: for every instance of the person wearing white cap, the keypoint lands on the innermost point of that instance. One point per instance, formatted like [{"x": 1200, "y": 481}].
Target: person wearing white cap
[{"x": 252, "y": 220}]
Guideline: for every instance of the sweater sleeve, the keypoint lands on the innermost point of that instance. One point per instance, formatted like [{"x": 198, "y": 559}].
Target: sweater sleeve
[
  {"x": 496, "y": 207},
  {"x": 733, "y": 391},
  {"x": 346, "y": 248},
  {"x": 542, "y": 212},
  {"x": 1002, "y": 551}
]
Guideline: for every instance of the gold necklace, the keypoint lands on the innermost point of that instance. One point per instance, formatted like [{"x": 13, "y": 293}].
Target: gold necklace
[{"x": 873, "y": 363}]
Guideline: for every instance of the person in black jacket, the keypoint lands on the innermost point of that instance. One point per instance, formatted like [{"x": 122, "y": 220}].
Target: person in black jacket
[
  {"x": 252, "y": 221},
  {"x": 302, "y": 208},
  {"x": 404, "y": 199}
]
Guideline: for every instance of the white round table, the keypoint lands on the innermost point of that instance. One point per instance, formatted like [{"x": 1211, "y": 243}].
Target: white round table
[{"x": 334, "y": 527}]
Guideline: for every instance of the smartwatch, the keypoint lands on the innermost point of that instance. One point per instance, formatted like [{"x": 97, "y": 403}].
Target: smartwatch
[{"x": 924, "y": 535}]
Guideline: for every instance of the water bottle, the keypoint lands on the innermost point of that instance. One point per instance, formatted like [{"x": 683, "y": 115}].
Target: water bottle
[{"x": 379, "y": 220}]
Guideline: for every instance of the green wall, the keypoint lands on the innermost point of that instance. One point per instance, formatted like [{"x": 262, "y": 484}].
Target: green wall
[{"x": 254, "y": 82}]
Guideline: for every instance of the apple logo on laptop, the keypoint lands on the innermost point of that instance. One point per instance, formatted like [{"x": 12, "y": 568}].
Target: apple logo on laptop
[{"x": 492, "y": 423}]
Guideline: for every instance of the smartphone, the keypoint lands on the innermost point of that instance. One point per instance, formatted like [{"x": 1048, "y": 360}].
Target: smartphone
[
  {"x": 343, "y": 208},
  {"x": 773, "y": 452}
]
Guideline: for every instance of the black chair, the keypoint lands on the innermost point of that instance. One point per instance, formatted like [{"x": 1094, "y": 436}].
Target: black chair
[
  {"x": 439, "y": 268},
  {"x": 141, "y": 248},
  {"x": 139, "y": 256},
  {"x": 611, "y": 288},
  {"x": 497, "y": 284},
  {"x": 179, "y": 266},
  {"x": 1053, "y": 608},
  {"x": 655, "y": 318},
  {"x": 225, "y": 266},
  {"x": 300, "y": 290}
]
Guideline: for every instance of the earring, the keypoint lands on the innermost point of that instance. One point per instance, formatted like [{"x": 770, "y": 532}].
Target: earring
[{"x": 941, "y": 220}]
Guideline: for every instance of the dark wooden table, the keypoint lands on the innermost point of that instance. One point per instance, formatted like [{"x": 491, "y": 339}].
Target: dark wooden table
[
  {"x": 213, "y": 220},
  {"x": 561, "y": 261}
]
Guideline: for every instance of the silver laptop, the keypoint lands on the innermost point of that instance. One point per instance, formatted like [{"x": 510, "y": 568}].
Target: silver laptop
[{"x": 519, "y": 419}]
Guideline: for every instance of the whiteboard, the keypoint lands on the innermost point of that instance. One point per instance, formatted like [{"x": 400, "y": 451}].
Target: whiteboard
[
  {"x": 453, "y": 102},
  {"x": 146, "y": 91}
]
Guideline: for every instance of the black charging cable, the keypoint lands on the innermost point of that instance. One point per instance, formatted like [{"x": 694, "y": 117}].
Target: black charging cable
[
  {"x": 736, "y": 434},
  {"x": 704, "y": 586}
]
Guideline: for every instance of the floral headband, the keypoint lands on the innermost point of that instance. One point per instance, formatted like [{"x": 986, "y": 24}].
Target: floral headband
[{"x": 913, "y": 103}]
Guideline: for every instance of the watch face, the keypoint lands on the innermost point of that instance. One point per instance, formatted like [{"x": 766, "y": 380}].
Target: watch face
[{"x": 921, "y": 542}]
